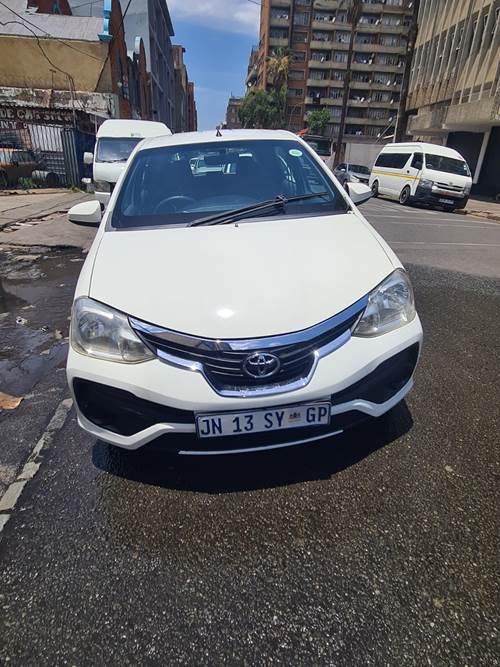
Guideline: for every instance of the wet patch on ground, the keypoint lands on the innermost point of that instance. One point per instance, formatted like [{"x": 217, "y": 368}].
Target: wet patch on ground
[{"x": 36, "y": 291}]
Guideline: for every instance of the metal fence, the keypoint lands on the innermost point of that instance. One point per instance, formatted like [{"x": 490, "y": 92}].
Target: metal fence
[{"x": 43, "y": 156}]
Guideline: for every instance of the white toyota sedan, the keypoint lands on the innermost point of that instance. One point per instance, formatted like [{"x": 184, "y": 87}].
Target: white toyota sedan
[{"x": 244, "y": 306}]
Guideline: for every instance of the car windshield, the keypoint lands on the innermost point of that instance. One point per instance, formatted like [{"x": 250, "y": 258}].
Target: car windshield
[
  {"x": 359, "y": 169},
  {"x": 321, "y": 146},
  {"x": 116, "y": 149},
  {"x": 447, "y": 164},
  {"x": 177, "y": 185}
]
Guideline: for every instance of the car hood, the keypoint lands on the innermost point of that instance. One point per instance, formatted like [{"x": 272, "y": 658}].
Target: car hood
[
  {"x": 240, "y": 281},
  {"x": 445, "y": 177}
]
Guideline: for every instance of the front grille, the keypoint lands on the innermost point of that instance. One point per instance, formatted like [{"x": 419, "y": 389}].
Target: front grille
[
  {"x": 451, "y": 188},
  {"x": 222, "y": 361}
]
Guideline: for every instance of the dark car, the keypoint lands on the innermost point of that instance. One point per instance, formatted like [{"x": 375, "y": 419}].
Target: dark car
[{"x": 351, "y": 173}]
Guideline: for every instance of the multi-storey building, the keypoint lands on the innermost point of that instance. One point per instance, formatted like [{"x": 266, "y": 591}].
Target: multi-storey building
[
  {"x": 454, "y": 85},
  {"x": 183, "y": 90},
  {"x": 317, "y": 34},
  {"x": 232, "y": 113},
  {"x": 150, "y": 20}
]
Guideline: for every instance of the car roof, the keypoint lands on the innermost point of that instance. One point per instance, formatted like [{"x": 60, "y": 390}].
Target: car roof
[
  {"x": 423, "y": 147},
  {"x": 124, "y": 128},
  {"x": 211, "y": 136}
]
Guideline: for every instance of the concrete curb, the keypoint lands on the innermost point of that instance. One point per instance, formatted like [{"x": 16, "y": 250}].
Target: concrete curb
[
  {"x": 494, "y": 217},
  {"x": 38, "y": 191}
]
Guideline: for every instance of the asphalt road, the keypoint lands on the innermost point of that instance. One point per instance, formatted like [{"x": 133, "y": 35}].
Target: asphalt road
[{"x": 379, "y": 547}]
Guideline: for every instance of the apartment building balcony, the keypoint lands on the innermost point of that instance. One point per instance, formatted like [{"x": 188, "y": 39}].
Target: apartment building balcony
[
  {"x": 279, "y": 23},
  {"x": 318, "y": 83},
  {"x": 382, "y": 7},
  {"x": 320, "y": 64},
  {"x": 324, "y": 101},
  {"x": 329, "y": 45},
  {"x": 385, "y": 86},
  {"x": 278, "y": 41},
  {"x": 326, "y": 4},
  {"x": 281, "y": 3},
  {"x": 427, "y": 121},
  {"x": 379, "y": 48},
  {"x": 326, "y": 25}
]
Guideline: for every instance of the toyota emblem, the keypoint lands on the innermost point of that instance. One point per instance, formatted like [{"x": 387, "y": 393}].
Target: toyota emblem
[{"x": 261, "y": 365}]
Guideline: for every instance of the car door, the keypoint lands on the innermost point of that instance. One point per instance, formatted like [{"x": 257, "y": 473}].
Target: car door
[{"x": 413, "y": 171}]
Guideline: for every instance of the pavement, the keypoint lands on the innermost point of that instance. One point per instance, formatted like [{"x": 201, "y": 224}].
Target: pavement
[
  {"x": 485, "y": 208},
  {"x": 378, "y": 547}
]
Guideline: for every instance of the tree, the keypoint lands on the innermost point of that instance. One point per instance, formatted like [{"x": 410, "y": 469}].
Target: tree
[
  {"x": 277, "y": 66},
  {"x": 317, "y": 121},
  {"x": 259, "y": 109}
]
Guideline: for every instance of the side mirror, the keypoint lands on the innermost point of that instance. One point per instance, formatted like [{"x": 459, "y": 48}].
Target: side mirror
[
  {"x": 87, "y": 213},
  {"x": 359, "y": 193},
  {"x": 88, "y": 158}
]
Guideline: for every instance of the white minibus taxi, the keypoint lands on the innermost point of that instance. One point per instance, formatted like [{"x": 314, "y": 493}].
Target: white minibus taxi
[
  {"x": 116, "y": 139},
  {"x": 422, "y": 173}
]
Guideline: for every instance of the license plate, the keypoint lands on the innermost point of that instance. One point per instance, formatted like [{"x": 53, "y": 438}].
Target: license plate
[
  {"x": 446, "y": 201},
  {"x": 259, "y": 421}
]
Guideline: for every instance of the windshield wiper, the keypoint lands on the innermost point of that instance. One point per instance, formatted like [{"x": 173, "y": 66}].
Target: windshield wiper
[{"x": 279, "y": 201}]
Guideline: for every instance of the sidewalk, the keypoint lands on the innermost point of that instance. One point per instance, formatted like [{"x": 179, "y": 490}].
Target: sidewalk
[
  {"x": 483, "y": 209},
  {"x": 40, "y": 220}
]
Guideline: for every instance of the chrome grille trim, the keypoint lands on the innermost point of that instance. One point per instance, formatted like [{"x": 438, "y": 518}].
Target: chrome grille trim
[
  {"x": 213, "y": 358},
  {"x": 242, "y": 344}
]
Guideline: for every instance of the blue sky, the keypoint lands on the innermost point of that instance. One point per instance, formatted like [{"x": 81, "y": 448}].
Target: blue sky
[{"x": 218, "y": 36}]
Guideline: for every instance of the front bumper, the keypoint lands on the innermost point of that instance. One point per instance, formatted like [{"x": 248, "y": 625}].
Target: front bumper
[
  {"x": 435, "y": 197},
  {"x": 129, "y": 405}
]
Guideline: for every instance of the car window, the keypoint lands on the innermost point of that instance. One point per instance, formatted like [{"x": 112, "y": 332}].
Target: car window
[
  {"x": 417, "y": 161},
  {"x": 115, "y": 149},
  {"x": 183, "y": 183},
  {"x": 394, "y": 160},
  {"x": 358, "y": 168},
  {"x": 447, "y": 164}
]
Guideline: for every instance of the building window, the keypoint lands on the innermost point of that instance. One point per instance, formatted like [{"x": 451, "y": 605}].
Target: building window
[
  {"x": 319, "y": 37},
  {"x": 370, "y": 19},
  {"x": 362, "y": 38},
  {"x": 320, "y": 56},
  {"x": 299, "y": 37},
  {"x": 278, "y": 34},
  {"x": 340, "y": 56},
  {"x": 296, "y": 74},
  {"x": 318, "y": 74},
  {"x": 298, "y": 56},
  {"x": 391, "y": 19},
  {"x": 301, "y": 18},
  {"x": 342, "y": 37},
  {"x": 295, "y": 92},
  {"x": 278, "y": 13}
]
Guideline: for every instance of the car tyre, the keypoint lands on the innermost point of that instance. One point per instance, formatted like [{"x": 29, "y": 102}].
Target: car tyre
[
  {"x": 375, "y": 188},
  {"x": 404, "y": 197}
]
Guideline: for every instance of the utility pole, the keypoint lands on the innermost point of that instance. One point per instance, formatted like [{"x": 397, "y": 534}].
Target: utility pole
[
  {"x": 400, "y": 129},
  {"x": 353, "y": 14}
]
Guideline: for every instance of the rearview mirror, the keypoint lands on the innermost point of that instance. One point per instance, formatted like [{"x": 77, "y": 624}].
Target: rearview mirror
[
  {"x": 359, "y": 193},
  {"x": 87, "y": 213},
  {"x": 88, "y": 158}
]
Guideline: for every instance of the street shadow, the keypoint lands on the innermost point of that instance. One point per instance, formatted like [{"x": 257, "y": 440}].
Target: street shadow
[{"x": 262, "y": 470}]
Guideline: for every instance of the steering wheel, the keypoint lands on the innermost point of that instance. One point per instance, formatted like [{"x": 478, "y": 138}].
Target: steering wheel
[{"x": 174, "y": 203}]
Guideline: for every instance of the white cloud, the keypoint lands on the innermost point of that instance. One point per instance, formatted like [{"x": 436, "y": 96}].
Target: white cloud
[{"x": 226, "y": 15}]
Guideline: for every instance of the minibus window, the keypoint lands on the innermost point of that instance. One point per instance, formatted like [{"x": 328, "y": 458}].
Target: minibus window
[{"x": 418, "y": 161}]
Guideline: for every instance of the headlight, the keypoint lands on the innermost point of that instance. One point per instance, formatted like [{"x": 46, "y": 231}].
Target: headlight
[
  {"x": 353, "y": 179},
  {"x": 104, "y": 333},
  {"x": 102, "y": 186},
  {"x": 425, "y": 183},
  {"x": 467, "y": 190},
  {"x": 391, "y": 305}
]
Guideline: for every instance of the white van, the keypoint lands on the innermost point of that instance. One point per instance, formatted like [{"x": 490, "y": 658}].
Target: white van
[
  {"x": 116, "y": 139},
  {"x": 425, "y": 173}
]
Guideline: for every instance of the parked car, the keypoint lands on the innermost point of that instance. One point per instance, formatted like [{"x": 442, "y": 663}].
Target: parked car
[
  {"x": 236, "y": 310},
  {"x": 115, "y": 141},
  {"x": 16, "y": 163},
  {"x": 351, "y": 173},
  {"x": 422, "y": 173}
]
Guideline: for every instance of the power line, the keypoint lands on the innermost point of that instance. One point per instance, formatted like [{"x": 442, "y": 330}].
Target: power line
[{"x": 26, "y": 21}]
